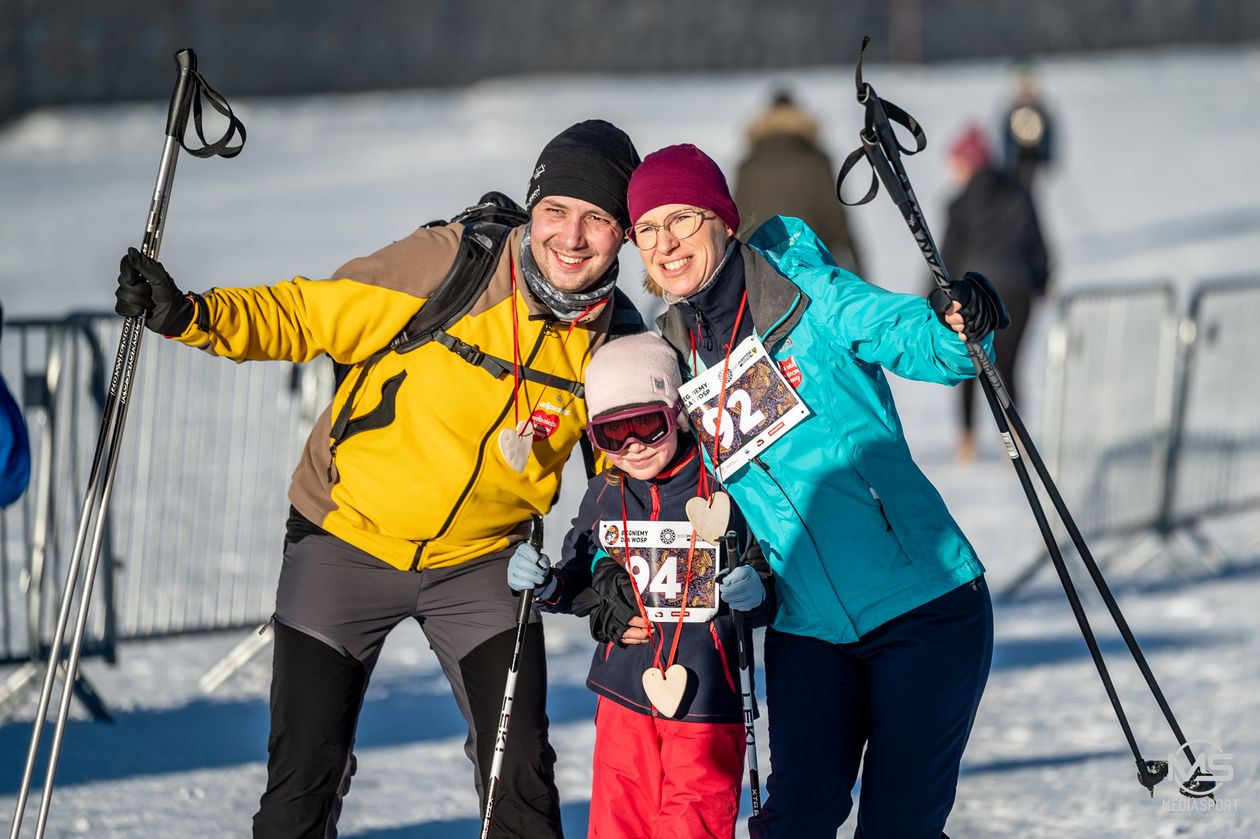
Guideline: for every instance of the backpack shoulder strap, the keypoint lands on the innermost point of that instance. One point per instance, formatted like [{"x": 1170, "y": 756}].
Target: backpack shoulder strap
[{"x": 480, "y": 246}]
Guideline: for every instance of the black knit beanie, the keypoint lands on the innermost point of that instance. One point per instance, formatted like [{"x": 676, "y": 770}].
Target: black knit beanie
[{"x": 590, "y": 161}]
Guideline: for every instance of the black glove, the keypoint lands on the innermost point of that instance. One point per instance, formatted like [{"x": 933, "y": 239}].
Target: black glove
[
  {"x": 617, "y": 604},
  {"x": 610, "y": 620},
  {"x": 146, "y": 290},
  {"x": 982, "y": 309}
]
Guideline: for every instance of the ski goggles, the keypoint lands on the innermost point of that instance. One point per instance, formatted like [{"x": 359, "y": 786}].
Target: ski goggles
[{"x": 646, "y": 424}]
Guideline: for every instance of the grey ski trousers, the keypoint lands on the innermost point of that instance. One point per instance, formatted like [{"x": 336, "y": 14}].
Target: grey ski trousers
[{"x": 334, "y": 606}]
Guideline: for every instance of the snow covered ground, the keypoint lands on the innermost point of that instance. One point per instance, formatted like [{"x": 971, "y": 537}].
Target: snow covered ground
[{"x": 1157, "y": 180}]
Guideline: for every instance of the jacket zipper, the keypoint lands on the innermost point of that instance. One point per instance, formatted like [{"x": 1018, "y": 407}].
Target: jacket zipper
[
  {"x": 882, "y": 511},
  {"x": 481, "y": 451}
]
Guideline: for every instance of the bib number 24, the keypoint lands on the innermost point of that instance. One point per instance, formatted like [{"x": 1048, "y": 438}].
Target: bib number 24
[{"x": 664, "y": 583}]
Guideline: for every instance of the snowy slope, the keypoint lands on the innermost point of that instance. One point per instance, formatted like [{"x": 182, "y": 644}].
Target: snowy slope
[{"x": 1157, "y": 180}]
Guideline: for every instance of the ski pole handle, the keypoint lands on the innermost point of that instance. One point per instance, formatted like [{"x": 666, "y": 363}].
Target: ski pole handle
[{"x": 177, "y": 115}]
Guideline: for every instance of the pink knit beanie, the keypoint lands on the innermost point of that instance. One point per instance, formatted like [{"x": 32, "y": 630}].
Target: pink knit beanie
[{"x": 633, "y": 370}]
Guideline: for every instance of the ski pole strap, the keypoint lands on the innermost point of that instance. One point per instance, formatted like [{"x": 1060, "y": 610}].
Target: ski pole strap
[
  {"x": 879, "y": 135},
  {"x": 191, "y": 90},
  {"x": 223, "y": 146}
]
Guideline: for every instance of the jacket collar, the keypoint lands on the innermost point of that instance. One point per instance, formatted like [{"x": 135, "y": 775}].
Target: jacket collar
[{"x": 775, "y": 303}]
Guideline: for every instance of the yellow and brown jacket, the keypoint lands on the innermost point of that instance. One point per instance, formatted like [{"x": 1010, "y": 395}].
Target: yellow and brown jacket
[{"x": 420, "y": 482}]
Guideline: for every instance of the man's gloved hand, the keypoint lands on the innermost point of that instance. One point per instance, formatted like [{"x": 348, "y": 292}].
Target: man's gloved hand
[
  {"x": 146, "y": 290},
  {"x": 528, "y": 569},
  {"x": 741, "y": 588},
  {"x": 979, "y": 311}
]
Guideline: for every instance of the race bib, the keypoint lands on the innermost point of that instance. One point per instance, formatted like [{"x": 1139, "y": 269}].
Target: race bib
[
  {"x": 760, "y": 406},
  {"x": 658, "y": 563}
]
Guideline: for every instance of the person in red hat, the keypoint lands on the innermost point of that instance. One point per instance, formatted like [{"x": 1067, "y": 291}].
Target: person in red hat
[
  {"x": 992, "y": 228},
  {"x": 880, "y": 646}
]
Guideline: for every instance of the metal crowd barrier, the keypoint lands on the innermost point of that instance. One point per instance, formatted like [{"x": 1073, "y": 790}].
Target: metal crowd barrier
[
  {"x": 1109, "y": 404},
  {"x": 1153, "y": 424},
  {"x": 1215, "y": 465},
  {"x": 196, "y": 522}
]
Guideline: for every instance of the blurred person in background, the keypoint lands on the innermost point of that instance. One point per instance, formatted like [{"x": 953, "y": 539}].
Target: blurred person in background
[
  {"x": 1028, "y": 130},
  {"x": 413, "y": 508},
  {"x": 15, "y": 448},
  {"x": 786, "y": 173},
  {"x": 992, "y": 228}
]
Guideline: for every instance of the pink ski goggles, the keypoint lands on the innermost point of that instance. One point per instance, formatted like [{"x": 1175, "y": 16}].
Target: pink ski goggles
[{"x": 645, "y": 424}]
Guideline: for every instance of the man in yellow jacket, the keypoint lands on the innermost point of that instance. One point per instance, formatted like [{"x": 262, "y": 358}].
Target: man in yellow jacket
[{"x": 419, "y": 480}]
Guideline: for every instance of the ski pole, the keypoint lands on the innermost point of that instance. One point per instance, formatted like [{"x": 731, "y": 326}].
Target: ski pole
[
  {"x": 733, "y": 560},
  {"x": 189, "y": 90},
  {"x": 883, "y": 151},
  {"x": 509, "y": 689}
]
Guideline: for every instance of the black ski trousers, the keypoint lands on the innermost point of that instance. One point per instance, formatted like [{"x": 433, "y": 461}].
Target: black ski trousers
[
  {"x": 334, "y": 606},
  {"x": 899, "y": 701}
]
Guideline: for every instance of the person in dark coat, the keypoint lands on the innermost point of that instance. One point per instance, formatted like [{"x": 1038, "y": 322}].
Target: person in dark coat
[
  {"x": 993, "y": 229},
  {"x": 786, "y": 173}
]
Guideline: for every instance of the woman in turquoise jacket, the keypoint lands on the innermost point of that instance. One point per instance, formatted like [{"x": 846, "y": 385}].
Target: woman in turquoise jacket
[{"x": 883, "y": 635}]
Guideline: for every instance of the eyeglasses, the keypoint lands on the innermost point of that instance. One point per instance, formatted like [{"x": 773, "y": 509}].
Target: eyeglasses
[
  {"x": 645, "y": 424},
  {"x": 680, "y": 225}
]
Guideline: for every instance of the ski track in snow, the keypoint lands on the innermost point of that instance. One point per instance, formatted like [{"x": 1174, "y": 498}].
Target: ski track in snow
[{"x": 1156, "y": 180}]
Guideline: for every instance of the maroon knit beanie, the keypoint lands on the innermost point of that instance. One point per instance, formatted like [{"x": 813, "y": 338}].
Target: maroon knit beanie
[{"x": 681, "y": 174}]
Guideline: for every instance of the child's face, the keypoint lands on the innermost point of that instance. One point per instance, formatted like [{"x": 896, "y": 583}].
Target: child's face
[{"x": 643, "y": 462}]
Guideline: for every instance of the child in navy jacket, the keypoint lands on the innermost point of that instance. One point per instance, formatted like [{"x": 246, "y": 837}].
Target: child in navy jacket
[{"x": 669, "y": 763}]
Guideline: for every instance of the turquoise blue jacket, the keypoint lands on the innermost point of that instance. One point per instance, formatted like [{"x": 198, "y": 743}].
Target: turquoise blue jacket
[{"x": 854, "y": 532}]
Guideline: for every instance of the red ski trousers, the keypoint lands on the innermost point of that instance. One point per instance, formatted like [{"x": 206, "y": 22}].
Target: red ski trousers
[{"x": 657, "y": 778}]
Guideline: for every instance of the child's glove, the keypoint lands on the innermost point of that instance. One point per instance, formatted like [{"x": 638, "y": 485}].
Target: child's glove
[
  {"x": 528, "y": 569},
  {"x": 741, "y": 588},
  {"x": 611, "y": 618}
]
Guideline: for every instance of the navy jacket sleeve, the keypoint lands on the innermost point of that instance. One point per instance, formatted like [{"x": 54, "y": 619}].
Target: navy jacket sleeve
[{"x": 573, "y": 572}]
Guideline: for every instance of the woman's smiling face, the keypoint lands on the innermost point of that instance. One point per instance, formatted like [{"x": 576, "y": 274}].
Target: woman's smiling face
[{"x": 681, "y": 266}]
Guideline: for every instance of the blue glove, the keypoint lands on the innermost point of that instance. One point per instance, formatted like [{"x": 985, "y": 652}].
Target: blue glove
[
  {"x": 528, "y": 568},
  {"x": 741, "y": 588}
]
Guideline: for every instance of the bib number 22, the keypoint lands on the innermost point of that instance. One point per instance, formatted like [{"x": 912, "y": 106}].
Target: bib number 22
[{"x": 749, "y": 418}]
